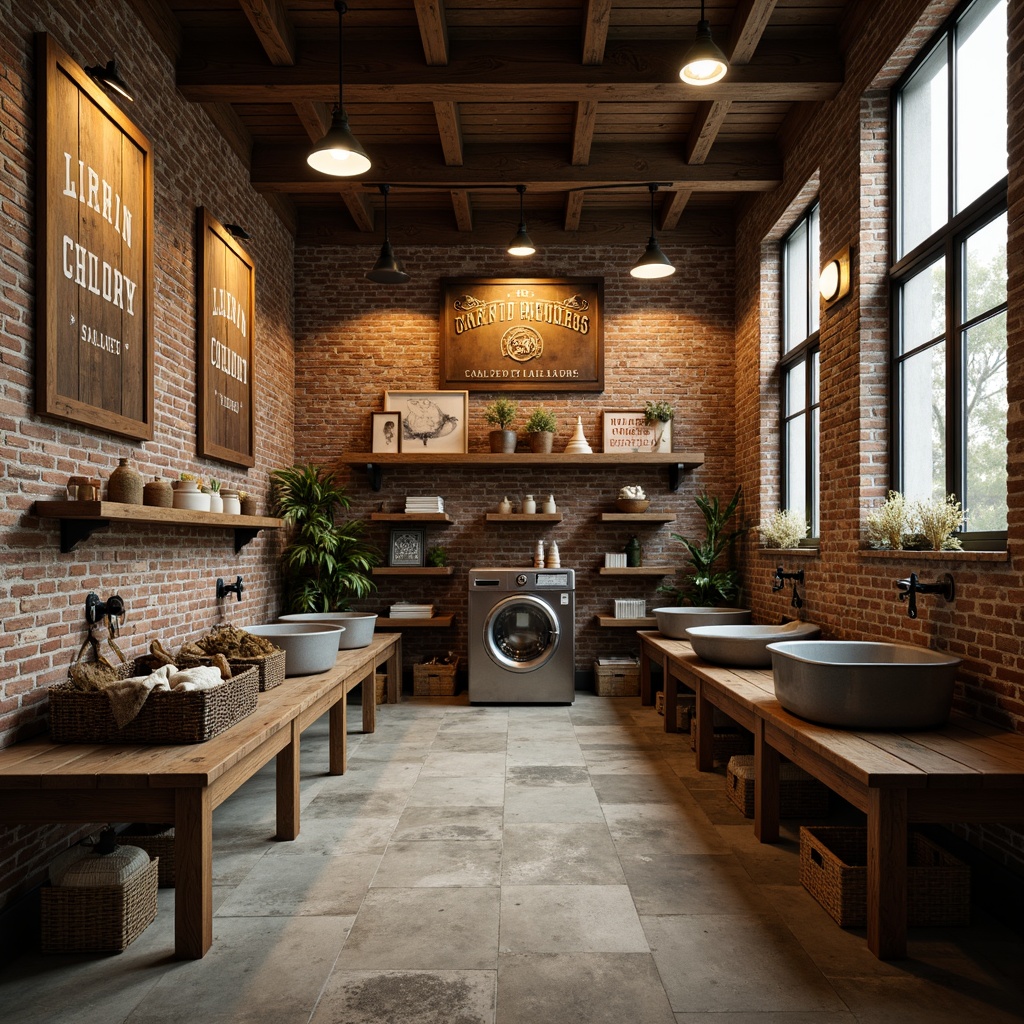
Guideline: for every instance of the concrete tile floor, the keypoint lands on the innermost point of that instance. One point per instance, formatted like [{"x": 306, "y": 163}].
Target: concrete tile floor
[{"x": 516, "y": 865}]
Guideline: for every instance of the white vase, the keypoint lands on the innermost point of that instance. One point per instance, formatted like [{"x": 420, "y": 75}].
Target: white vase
[
  {"x": 232, "y": 506},
  {"x": 578, "y": 444},
  {"x": 216, "y": 501},
  {"x": 549, "y": 507},
  {"x": 529, "y": 505}
]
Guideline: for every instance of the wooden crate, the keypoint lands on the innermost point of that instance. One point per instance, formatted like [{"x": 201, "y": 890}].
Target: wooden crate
[
  {"x": 801, "y": 795},
  {"x": 833, "y": 869},
  {"x": 434, "y": 680},
  {"x": 617, "y": 680}
]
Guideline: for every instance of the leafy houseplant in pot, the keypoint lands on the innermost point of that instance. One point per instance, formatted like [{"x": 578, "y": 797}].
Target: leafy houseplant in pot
[
  {"x": 501, "y": 414},
  {"x": 540, "y": 429},
  {"x": 657, "y": 415}
]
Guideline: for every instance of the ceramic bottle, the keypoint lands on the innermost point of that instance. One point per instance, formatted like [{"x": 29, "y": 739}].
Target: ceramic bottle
[
  {"x": 549, "y": 507},
  {"x": 529, "y": 505},
  {"x": 504, "y": 506},
  {"x": 125, "y": 484}
]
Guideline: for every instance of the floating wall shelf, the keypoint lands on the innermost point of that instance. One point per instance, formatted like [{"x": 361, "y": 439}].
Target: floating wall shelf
[
  {"x": 434, "y": 622},
  {"x": 610, "y": 621},
  {"x": 440, "y": 518},
  {"x": 413, "y": 570}
]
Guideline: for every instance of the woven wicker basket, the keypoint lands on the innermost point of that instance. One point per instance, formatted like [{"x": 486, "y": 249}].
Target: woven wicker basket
[
  {"x": 79, "y": 716},
  {"x": 801, "y": 795},
  {"x": 159, "y": 846},
  {"x": 380, "y": 682},
  {"x": 102, "y": 918},
  {"x": 833, "y": 869},
  {"x": 616, "y": 680},
  {"x": 434, "y": 680},
  {"x": 269, "y": 666},
  {"x": 685, "y": 709},
  {"x": 726, "y": 742}
]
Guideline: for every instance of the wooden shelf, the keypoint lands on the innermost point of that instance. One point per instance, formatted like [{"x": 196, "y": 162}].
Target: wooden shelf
[
  {"x": 610, "y": 621},
  {"x": 375, "y": 462},
  {"x": 80, "y": 519},
  {"x": 413, "y": 570},
  {"x": 524, "y": 517},
  {"x": 638, "y": 517},
  {"x": 434, "y": 622},
  {"x": 635, "y": 570},
  {"x": 442, "y": 518}
]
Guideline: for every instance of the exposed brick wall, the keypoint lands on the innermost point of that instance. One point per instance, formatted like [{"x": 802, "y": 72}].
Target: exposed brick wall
[
  {"x": 669, "y": 339},
  {"x": 849, "y": 592},
  {"x": 165, "y": 575}
]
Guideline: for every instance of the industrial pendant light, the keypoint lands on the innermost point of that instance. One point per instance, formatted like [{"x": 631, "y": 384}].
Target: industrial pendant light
[
  {"x": 653, "y": 263},
  {"x": 388, "y": 269},
  {"x": 109, "y": 78},
  {"x": 705, "y": 63},
  {"x": 338, "y": 152},
  {"x": 521, "y": 245}
]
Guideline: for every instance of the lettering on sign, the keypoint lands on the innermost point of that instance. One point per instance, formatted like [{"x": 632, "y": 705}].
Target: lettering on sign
[{"x": 522, "y": 333}]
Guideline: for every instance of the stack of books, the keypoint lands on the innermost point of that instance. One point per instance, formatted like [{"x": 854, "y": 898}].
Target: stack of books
[
  {"x": 424, "y": 503},
  {"x": 630, "y": 608},
  {"x": 409, "y": 610}
]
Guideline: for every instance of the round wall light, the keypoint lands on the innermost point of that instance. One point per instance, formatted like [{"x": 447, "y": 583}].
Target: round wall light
[{"x": 834, "y": 279}]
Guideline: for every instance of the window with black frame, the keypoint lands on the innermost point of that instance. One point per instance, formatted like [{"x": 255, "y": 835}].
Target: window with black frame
[
  {"x": 949, "y": 272},
  {"x": 798, "y": 370}
]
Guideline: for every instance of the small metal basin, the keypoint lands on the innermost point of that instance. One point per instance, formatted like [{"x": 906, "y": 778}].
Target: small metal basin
[
  {"x": 864, "y": 685},
  {"x": 745, "y": 646},
  {"x": 673, "y": 621}
]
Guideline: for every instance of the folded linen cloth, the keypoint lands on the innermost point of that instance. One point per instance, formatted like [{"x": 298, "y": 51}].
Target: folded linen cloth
[{"x": 128, "y": 696}]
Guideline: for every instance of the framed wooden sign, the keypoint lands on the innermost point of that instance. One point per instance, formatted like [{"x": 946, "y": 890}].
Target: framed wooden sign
[
  {"x": 224, "y": 378},
  {"x": 522, "y": 334},
  {"x": 94, "y": 270},
  {"x": 627, "y": 430}
]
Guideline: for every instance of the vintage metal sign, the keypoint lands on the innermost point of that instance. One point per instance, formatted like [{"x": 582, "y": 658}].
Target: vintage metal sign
[
  {"x": 226, "y": 307},
  {"x": 522, "y": 334},
  {"x": 94, "y": 326}
]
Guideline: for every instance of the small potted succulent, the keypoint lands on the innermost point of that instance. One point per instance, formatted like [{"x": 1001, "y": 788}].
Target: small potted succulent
[
  {"x": 540, "y": 429},
  {"x": 501, "y": 414}
]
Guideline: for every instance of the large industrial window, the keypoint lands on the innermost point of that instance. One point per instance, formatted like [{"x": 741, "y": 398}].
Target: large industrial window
[
  {"x": 798, "y": 370},
  {"x": 949, "y": 274}
]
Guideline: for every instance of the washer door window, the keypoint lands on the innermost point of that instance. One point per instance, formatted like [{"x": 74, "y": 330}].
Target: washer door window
[{"x": 521, "y": 633}]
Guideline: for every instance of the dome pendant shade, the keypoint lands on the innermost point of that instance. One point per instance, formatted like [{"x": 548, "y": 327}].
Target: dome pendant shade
[
  {"x": 521, "y": 244},
  {"x": 654, "y": 263},
  {"x": 388, "y": 269},
  {"x": 339, "y": 152},
  {"x": 704, "y": 63}
]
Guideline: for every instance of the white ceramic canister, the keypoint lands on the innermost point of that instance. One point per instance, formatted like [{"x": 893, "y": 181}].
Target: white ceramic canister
[
  {"x": 232, "y": 505},
  {"x": 529, "y": 505},
  {"x": 191, "y": 498},
  {"x": 504, "y": 506},
  {"x": 216, "y": 501},
  {"x": 549, "y": 507}
]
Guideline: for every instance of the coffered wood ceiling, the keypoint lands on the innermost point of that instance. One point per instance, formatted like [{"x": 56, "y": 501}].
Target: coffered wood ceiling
[{"x": 458, "y": 101}]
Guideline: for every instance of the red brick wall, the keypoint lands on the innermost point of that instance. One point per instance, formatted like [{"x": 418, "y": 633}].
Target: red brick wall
[
  {"x": 166, "y": 576},
  {"x": 669, "y": 339},
  {"x": 851, "y": 593}
]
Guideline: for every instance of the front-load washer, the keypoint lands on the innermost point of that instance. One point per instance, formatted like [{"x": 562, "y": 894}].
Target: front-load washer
[{"x": 522, "y": 636}]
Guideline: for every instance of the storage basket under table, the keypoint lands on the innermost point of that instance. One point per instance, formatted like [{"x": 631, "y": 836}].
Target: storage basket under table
[
  {"x": 727, "y": 742},
  {"x": 100, "y": 918},
  {"x": 685, "y": 709},
  {"x": 434, "y": 680},
  {"x": 158, "y": 842},
  {"x": 618, "y": 680},
  {"x": 80, "y": 716},
  {"x": 833, "y": 869},
  {"x": 800, "y": 795}
]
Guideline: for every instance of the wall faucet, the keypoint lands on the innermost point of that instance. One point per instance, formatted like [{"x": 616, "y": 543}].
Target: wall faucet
[
  {"x": 779, "y": 580},
  {"x": 912, "y": 586},
  {"x": 236, "y": 588}
]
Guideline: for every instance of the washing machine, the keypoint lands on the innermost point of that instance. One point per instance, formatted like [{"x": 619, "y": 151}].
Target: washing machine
[{"x": 522, "y": 636}]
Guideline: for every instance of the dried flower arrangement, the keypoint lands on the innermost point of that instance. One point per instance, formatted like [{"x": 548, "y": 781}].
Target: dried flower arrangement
[
  {"x": 783, "y": 528},
  {"x": 890, "y": 523},
  {"x": 899, "y": 523},
  {"x": 938, "y": 520}
]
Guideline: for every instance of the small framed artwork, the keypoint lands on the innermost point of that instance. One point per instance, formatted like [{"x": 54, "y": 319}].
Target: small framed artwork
[
  {"x": 386, "y": 432},
  {"x": 406, "y": 547},
  {"x": 626, "y": 430},
  {"x": 432, "y": 421}
]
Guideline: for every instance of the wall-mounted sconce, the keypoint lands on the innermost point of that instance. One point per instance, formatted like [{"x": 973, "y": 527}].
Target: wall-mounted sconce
[
  {"x": 834, "y": 279},
  {"x": 237, "y": 231},
  {"x": 109, "y": 77}
]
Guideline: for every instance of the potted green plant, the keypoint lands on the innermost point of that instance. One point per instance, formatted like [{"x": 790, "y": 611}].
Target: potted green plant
[
  {"x": 437, "y": 556},
  {"x": 501, "y": 414},
  {"x": 540, "y": 429},
  {"x": 707, "y": 584},
  {"x": 326, "y": 561},
  {"x": 658, "y": 415}
]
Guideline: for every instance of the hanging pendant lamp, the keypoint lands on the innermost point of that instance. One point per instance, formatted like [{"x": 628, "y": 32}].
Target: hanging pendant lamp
[
  {"x": 654, "y": 263},
  {"x": 704, "y": 63},
  {"x": 388, "y": 269},
  {"x": 521, "y": 244},
  {"x": 338, "y": 153}
]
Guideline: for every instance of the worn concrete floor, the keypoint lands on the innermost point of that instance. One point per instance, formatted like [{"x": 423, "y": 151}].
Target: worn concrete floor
[{"x": 515, "y": 865}]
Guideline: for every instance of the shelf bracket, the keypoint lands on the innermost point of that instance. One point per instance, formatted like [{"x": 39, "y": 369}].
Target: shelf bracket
[
  {"x": 244, "y": 534},
  {"x": 375, "y": 475},
  {"x": 675, "y": 475},
  {"x": 74, "y": 530}
]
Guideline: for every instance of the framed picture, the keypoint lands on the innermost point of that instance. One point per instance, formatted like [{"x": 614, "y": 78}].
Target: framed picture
[
  {"x": 626, "y": 430},
  {"x": 406, "y": 547},
  {"x": 522, "y": 333},
  {"x": 431, "y": 421},
  {"x": 386, "y": 432}
]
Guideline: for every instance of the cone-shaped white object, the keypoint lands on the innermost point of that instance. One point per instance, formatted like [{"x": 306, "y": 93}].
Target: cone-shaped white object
[{"x": 578, "y": 442}]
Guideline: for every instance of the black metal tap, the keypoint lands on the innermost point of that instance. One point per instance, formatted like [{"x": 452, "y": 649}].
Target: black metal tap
[
  {"x": 779, "y": 581},
  {"x": 236, "y": 588},
  {"x": 912, "y": 586}
]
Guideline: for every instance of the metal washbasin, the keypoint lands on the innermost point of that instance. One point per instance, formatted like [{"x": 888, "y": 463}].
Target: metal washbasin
[
  {"x": 864, "y": 685},
  {"x": 745, "y": 646},
  {"x": 674, "y": 620}
]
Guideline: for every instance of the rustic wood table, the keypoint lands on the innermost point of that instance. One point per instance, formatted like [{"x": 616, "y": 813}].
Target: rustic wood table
[{"x": 42, "y": 782}]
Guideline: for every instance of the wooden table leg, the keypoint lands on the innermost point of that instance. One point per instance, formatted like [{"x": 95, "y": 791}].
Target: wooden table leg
[
  {"x": 646, "y": 696},
  {"x": 287, "y": 772},
  {"x": 394, "y": 671},
  {"x": 887, "y": 873},
  {"x": 704, "y": 746},
  {"x": 369, "y": 685},
  {"x": 767, "y": 789},
  {"x": 671, "y": 690},
  {"x": 193, "y": 872},
  {"x": 338, "y": 736}
]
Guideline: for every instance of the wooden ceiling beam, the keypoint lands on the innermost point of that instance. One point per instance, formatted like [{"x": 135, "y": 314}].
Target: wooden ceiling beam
[
  {"x": 573, "y": 210},
  {"x": 315, "y": 118},
  {"x": 707, "y": 123},
  {"x": 584, "y": 120},
  {"x": 273, "y": 27},
  {"x": 161, "y": 24},
  {"x": 463, "y": 209},
  {"x": 357, "y": 202},
  {"x": 668, "y": 217},
  {"x": 734, "y": 167},
  {"x": 596, "y": 18},
  {"x": 230, "y": 125},
  {"x": 449, "y": 128},
  {"x": 433, "y": 31}
]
